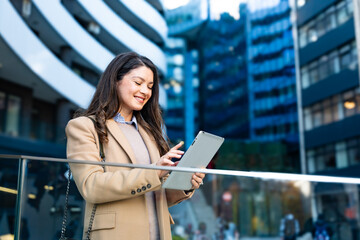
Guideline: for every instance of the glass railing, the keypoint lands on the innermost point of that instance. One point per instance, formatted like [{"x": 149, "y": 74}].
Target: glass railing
[{"x": 230, "y": 205}]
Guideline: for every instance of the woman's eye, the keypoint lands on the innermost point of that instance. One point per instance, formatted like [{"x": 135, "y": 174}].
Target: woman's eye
[
  {"x": 137, "y": 83},
  {"x": 150, "y": 87}
]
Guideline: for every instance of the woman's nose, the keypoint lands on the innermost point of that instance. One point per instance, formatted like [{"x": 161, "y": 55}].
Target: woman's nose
[{"x": 144, "y": 89}]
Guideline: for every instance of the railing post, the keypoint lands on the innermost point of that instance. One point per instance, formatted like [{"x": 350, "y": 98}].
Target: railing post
[{"x": 19, "y": 197}]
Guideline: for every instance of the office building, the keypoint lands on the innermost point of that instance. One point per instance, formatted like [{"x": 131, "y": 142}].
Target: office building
[
  {"x": 184, "y": 24},
  {"x": 329, "y": 102},
  {"x": 272, "y": 84},
  {"x": 223, "y": 77}
]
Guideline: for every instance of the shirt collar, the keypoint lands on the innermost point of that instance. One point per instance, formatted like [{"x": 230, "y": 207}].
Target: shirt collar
[{"x": 120, "y": 119}]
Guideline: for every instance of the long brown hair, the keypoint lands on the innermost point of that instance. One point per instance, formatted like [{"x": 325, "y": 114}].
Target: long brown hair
[{"x": 105, "y": 102}]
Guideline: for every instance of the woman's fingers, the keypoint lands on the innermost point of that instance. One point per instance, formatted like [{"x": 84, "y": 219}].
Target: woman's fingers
[
  {"x": 166, "y": 162},
  {"x": 200, "y": 175},
  {"x": 171, "y": 155},
  {"x": 197, "y": 180},
  {"x": 177, "y": 146}
]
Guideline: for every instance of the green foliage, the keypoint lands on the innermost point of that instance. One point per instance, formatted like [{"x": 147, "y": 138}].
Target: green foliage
[{"x": 255, "y": 156}]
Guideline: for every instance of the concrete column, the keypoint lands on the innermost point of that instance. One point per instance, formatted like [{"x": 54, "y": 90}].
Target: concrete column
[
  {"x": 301, "y": 123},
  {"x": 27, "y": 105},
  {"x": 62, "y": 117},
  {"x": 357, "y": 28},
  {"x": 189, "y": 101}
]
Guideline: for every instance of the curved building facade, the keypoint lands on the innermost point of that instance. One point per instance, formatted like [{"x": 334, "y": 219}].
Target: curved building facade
[{"x": 52, "y": 54}]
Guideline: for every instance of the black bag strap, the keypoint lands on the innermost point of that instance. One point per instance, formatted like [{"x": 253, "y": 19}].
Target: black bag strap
[
  {"x": 64, "y": 223},
  {"x": 102, "y": 156}
]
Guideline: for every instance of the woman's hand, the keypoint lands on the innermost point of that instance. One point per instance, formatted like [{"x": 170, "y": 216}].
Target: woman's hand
[
  {"x": 197, "y": 180},
  {"x": 166, "y": 159}
]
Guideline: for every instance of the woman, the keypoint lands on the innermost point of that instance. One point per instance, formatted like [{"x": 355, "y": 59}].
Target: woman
[{"x": 130, "y": 201}]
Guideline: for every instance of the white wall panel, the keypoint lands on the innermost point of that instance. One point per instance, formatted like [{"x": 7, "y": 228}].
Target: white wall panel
[
  {"x": 41, "y": 60},
  {"x": 74, "y": 34},
  {"x": 148, "y": 14},
  {"x": 124, "y": 33}
]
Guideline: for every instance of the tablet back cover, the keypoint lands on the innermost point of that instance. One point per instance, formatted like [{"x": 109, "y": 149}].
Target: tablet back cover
[{"x": 199, "y": 154}]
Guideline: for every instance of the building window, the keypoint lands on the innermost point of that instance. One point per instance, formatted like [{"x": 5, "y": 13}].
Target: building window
[
  {"x": 307, "y": 119},
  {"x": 323, "y": 67},
  {"x": 310, "y": 156},
  {"x": 343, "y": 58},
  {"x": 353, "y": 151},
  {"x": 333, "y": 17},
  {"x": 2, "y": 111},
  {"x": 328, "y": 113},
  {"x": 330, "y": 19},
  {"x": 337, "y": 108},
  {"x": 334, "y": 65},
  {"x": 332, "y": 109},
  {"x": 320, "y": 24},
  {"x": 341, "y": 155},
  {"x": 338, "y": 155},
  {"x": 13, "y": 116},
  {"x": 341, "y": 12},
  {"x": 314, "y": 72},
  {"x": 349, "y": 103},
  {"x": 302, "y": 37}
]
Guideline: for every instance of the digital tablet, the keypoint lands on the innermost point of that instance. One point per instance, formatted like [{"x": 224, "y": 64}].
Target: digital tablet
[{"x": 199, "y": 154}]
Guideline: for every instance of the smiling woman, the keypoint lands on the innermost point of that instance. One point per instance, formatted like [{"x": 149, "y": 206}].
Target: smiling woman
[
  {"x": 124, "y": 122},
  {"x": 135, "y": 90}
]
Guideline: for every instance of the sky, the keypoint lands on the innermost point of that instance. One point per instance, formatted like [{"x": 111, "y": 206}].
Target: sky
[{"x": 219, "y": 6}]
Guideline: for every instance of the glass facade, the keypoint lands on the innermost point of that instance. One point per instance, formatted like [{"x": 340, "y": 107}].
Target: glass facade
[
  {"x": 333, "y": 109},
  {"x": 330, "y": 18},
  {"x": 328, "y": 67},
  {"x": 339, "y": 59},
  {"x": 272, "y": 84},
  {"x": 224, "y": 89},
  {"x": 174, "y": 86},
  {"x": 10, "y": 114},
  {"x": 334, "y": 156},
  {"x": 228, "y": 206},
  {"x": 181, "y": 85},
  {"x": 16, "y": 121}
]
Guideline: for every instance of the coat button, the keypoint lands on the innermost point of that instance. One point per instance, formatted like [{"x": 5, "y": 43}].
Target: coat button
[
  {"x": 143, "y": 188},
  {"x": 133, "y": 192},
  {"x": 138, "y": 190},
  {"x": 148, "y": 186}
]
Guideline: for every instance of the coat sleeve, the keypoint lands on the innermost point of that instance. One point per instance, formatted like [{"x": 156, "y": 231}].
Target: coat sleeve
[
  {"x": 95, "y": 185},
  {"x": 177, "y": 196}
]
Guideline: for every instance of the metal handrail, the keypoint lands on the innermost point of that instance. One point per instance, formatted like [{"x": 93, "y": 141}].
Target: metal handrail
[
  {"x": 23, "y": 159},
  {"x": 236, "y": 173}
]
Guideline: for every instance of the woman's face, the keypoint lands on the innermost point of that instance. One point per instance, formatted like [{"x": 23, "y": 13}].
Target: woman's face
[{"x": 134, "y": 90}]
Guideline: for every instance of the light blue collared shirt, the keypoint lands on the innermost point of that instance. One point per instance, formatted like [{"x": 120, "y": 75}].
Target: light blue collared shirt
[{"x": 120, "y": 119}]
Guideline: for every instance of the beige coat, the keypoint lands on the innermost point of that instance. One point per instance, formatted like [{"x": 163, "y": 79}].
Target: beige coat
[{"x": 119, "y": 192}]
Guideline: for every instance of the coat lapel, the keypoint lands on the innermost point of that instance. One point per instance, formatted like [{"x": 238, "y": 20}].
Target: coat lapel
[
  {"x": 115, "y": 131},
  {"x": 150, "y": 144}
]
